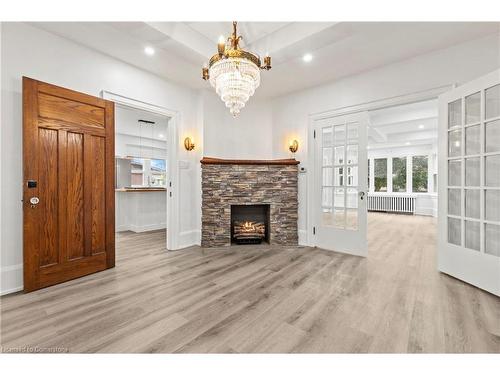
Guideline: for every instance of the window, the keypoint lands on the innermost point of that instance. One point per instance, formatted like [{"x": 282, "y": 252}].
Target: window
[
  {"x": 380, "y": 175},
  {"x": 419, "y": 174},
  {"x": 158, "y": 172},
  {"x": 140, "y": 172},
  {"x": 399, "y": 175}
]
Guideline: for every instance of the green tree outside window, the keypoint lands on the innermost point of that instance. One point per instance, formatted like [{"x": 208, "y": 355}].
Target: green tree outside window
[{"x": 419, "y": 174}]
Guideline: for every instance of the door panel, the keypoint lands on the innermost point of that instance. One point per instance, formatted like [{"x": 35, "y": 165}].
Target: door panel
[
  {"x": 75, "y": 229},
  {"x": 48, "y": 196},
  {"x": 340, "y": 183},
  {"x": 68, "y": 149},
  {"x": 68, "y": 110},
  {"x": 469, "y": 242}
]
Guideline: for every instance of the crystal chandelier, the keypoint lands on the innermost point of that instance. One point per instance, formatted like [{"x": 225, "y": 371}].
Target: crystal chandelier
[{"x": 234, "y": 73}]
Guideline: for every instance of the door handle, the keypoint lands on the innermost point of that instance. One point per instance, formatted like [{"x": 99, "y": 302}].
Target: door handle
[{"x": 361, "y": 195}]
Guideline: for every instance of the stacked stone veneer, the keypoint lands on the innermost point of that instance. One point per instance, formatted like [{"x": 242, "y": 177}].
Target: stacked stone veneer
[{"x": 224, "y": 185}]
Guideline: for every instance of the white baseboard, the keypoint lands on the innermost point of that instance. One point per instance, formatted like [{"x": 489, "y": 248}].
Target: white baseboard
[
  {"x": 11, "y": 279},
  {"x": 122, "y": 228},
  {"x": 140, "y": 228},
  {"x": 189, "y": 238},
  {"x": 147, "y": 228},
  {"x": 303, "y": 237},
  {"x": 428, "y": 211}
]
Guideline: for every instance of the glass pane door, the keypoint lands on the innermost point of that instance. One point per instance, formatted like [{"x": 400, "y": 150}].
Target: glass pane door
[
  {"x": 340, "y": 147},
  {"x": 470, "y": 200},
  {"x": 473, "y": 146}
]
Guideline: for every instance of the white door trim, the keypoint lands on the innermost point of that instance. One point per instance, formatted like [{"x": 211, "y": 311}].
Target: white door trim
[
  {"x": 418, "y": 96},
  {"x": 172, "y": 165},
  {"x": 414, "y": 97}
]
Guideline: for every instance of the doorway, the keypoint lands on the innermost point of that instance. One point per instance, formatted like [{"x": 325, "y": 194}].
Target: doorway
[
  {"x": 171, "y": 167},
  {"x": 400, "y": 145},
  {"x": 402, "y": 181},
  {"x": 141, "y": 166}
]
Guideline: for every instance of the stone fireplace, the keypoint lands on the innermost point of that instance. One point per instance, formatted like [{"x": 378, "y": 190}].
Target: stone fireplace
[{"x": 250, "y": 192}]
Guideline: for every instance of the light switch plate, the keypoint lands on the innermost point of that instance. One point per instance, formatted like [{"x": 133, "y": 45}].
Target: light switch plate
[{"x": 183, "y": 164}]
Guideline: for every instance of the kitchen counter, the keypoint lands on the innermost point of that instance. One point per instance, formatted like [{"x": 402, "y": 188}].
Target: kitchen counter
[
  {"x": 141, "y": 212},
  {"x": 134, "y": 190}
]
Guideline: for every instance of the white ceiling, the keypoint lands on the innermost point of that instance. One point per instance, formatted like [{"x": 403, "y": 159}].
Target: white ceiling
[
  {"x": 405, "y": 125},
  {"x": 127, "y": 123},
  {"x": 338, "y": 49}
]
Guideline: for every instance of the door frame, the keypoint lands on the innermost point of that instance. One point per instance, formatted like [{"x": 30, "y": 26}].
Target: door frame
[
  {"x": 414, "y": 97},
  {"x": 172, "y": 160}
]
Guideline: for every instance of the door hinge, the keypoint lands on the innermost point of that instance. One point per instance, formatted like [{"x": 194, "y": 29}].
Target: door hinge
[
  {"x": 314, "y": 230},
  {"x": 314, "y": 134}
]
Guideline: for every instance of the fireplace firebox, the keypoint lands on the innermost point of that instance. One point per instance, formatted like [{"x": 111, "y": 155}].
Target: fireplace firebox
[{"x": 250, "y": 224}]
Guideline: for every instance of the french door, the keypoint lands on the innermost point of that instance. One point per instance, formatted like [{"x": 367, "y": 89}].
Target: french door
[
  {"x": 340, "y": 181},
  {"x": 469, "y": 189}
]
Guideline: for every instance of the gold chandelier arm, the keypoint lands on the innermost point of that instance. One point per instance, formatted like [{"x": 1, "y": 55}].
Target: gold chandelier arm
[{"x": 235, "y": 39}]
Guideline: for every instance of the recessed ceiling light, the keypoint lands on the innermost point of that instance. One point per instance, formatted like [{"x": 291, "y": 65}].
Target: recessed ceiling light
[
  {"x": 408, "y": 143},
  {"x": 307, "y": 57},
  {"x": 150, "y": 51},
  {"x": 421, "y": 126},
  {"x": 160, "y": 135}
]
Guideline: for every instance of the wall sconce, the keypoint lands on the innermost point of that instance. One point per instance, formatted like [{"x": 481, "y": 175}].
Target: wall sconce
[
  {"x": 293, "y": 146},
  {"x": 188, "y": 144}
]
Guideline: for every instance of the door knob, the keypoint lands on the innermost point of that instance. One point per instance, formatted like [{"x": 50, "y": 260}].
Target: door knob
[
  {"x": 34, "y": 201},
  {"x": 361, "y": 195}
]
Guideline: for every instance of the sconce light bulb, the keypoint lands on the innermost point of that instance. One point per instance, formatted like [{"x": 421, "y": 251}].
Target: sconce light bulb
[{"x": 221, "y": 46}]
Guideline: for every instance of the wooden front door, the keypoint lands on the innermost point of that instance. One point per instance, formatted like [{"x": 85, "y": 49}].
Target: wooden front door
[{"x": 68, "y": 194}]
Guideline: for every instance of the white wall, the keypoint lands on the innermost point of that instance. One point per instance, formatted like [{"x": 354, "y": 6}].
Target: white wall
[
  {"x": 248, "y": 136},
  {"x": 29, "y": 51},
  {"x": 456, "y": 64}
]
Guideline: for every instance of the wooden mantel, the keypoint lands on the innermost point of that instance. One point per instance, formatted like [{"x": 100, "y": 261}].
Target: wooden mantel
[{"x": 207, "y": 160}]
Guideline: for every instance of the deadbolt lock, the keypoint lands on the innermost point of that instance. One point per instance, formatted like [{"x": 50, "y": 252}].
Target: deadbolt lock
[{"x": 34, "y": 201}]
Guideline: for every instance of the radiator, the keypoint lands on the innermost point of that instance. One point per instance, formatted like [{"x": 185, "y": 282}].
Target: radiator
[{"x": 392, "y": 203}]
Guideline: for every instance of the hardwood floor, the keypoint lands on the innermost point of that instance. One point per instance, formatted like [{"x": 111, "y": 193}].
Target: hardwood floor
[{"x": 262, "y": 299}]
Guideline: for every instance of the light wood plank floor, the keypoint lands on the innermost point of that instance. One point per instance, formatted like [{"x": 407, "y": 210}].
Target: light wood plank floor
[{"x": 263, "y": 299}]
